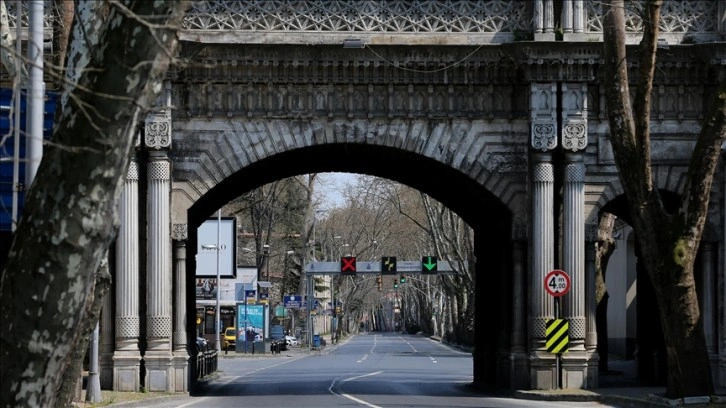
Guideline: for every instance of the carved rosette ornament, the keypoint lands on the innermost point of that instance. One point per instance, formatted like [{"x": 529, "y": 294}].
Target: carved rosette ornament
[
  {"x": 179, "y": 232},
  {"x": 544, "y": 136},
  {"x": 574, "y": 117},
  {"x": 542, "y": 103},
  {"x": 574, "y": 135},
  {"x": 158, "y": 132}
]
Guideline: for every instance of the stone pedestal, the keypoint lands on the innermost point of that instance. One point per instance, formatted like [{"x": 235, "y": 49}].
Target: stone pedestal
[{"x": 126, "y": 371}]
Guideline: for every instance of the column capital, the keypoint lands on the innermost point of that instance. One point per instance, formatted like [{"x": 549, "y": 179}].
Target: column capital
[
  {"x": 157, "y": 131},
  {"x": 543, "y": 115},
  {"x": 179, "y": 232},
  {"x": 574, "y": 116}
]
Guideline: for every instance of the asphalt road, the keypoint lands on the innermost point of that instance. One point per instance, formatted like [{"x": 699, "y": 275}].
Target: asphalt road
[{"x": 368, "y": 370}]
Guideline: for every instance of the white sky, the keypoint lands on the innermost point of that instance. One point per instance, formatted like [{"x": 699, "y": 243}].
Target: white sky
[{"x": 331, "y": 187}]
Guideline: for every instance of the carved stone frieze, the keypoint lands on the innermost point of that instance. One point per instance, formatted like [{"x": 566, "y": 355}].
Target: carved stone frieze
[
  {"x": 351, "y": 101},
  {"x": 696, "y": 17},
  {"x": 421, "y": 16}
]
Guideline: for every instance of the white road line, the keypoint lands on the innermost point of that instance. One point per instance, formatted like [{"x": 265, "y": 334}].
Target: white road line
[
  {"x": 362, "y": 359},
  {"x": 361, "y": 376},
  {"x": 231, "y": 379},
  {"x": 360, "y": 401},
  {"x": 350, "y": 397}
]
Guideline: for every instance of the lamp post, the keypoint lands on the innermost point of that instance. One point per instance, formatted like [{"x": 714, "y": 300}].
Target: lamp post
[{"x": 217, "y": 322}]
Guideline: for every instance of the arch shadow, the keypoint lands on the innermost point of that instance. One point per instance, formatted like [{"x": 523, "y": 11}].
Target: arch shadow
[{"x": 649, "y": 349}]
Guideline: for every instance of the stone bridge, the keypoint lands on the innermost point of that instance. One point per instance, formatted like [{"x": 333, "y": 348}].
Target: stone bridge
[{"x": 494, "y": 108}]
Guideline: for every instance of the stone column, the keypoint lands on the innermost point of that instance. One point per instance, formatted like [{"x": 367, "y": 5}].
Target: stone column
[
  {"x": 573, "y": 249},
  {"x": 573, "y": 20},
  {"x": 593, "y": 375},
  {"x": 578, "y": 16},
  {"x": 543, "y": 139},
  {"x": 106, "y": 340},
  {"x": 519, "y": 360},
  {"x": 544, "y": 20},
  {"x": 181, "y": 356},
  {"x": 159, "y": 294},
  {"x": 567, "y": 17},
  {"x": 574, "y": 142},
  {"x": 591, "y": 231},
  {"x": 127, "y": 357}
]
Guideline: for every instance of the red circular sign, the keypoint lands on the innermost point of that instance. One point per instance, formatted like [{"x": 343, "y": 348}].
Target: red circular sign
[{"x": 557, "y": 282}]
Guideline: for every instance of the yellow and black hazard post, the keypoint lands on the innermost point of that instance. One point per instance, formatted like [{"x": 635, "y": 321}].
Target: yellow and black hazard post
[{"x": 557, "y": 340}]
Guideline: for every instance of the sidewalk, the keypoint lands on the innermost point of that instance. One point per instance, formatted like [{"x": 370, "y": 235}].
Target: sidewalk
[{"x": 616, "y": 388}]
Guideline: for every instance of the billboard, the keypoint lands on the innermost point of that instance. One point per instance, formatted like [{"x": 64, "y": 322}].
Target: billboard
[
  {"x": 250, "y": 324},
  {"x": 208, "y": 243}
]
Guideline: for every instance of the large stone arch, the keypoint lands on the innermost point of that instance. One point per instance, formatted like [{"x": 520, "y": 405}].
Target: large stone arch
[
  {"x": 209, "y": 154},
  {"x": 489, "y": 216}
]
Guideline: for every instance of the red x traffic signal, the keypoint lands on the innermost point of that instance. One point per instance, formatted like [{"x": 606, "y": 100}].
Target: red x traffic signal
[{"x": 347, "y": 265}]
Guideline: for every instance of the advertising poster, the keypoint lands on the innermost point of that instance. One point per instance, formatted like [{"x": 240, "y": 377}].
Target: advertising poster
[{"x": 250, "y": 323}]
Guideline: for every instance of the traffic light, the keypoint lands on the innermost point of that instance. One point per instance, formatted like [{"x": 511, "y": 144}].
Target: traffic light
[
  {"x": 388, "y": 265},
  {"x": 403, "y": 279},
  {"x": 429, "y": 265},
  {"x": 379, "y": 281},
  {"x": 347, "y": 265},
  {"x": 395, "y": 283}
]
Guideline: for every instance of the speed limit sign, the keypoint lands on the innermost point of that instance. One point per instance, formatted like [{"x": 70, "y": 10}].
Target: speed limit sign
[{"x": 557, "y": 282}]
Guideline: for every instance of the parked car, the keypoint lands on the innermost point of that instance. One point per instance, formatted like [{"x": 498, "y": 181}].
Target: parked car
[
  {"x": 202, "y": 344},
  {"x": 230, "y": 338},
  {"x": 291, "y": 341}
]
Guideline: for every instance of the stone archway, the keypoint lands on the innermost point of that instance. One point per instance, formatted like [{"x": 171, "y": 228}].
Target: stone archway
[{"x": 482, "y": 210}]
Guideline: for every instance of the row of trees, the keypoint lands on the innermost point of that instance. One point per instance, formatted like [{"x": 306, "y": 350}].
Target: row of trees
[{"x": 379, "y": 218}]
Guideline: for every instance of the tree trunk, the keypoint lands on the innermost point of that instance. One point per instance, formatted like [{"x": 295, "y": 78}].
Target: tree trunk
[
  {"x": 668, "y": 241},
  {"x": 115, "y": 66},
  {"x": 101, "y": 287}
]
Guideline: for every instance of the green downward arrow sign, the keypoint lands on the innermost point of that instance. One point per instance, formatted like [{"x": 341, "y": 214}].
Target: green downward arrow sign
[{"x": 429, "y": 263}]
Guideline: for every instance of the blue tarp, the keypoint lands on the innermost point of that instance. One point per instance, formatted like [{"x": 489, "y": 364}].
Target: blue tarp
[{"x": 7, "y": 149}]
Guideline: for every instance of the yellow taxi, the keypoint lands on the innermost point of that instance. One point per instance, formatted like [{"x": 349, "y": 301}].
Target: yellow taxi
[{"x": 230, "y": 337}]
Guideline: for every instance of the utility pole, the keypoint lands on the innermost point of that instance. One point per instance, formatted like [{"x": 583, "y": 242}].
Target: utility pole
[{"x": 36, "y": 92}]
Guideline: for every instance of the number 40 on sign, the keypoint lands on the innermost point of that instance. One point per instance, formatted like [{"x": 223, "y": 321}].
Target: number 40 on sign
[{"x": 557, "y": 282}]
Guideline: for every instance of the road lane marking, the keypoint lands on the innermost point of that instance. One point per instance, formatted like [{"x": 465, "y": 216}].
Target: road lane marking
[
  {"x": 350, "y": 397},
  {"x": 362, "y": 359},
  {"x": 361, "y": 376},
  {"x": 360, "y": 401},
  {"x": 231, "y": 379}
]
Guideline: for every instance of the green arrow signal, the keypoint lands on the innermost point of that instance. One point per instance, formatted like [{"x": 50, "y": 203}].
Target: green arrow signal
[{"x": 429, "y": 263}]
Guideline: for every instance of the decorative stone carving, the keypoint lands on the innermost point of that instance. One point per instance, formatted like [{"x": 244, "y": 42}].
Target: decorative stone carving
[
  {"x": 542, "y": 115},
  {"x": 544, "y": 135},
  {"x": 179, "y": 232},
  {"x": 423, "y": 16},
  {"x": 574, "y": 116},
  {"x": 158, "y": 132},
  {"x": 677, "y": 16},
  {"x": 574, "y": 135}
]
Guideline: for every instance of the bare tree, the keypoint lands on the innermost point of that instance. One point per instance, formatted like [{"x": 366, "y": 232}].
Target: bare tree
[
  {"x": 119, "y": 52},
  {"x": 668, "y": 241}
]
